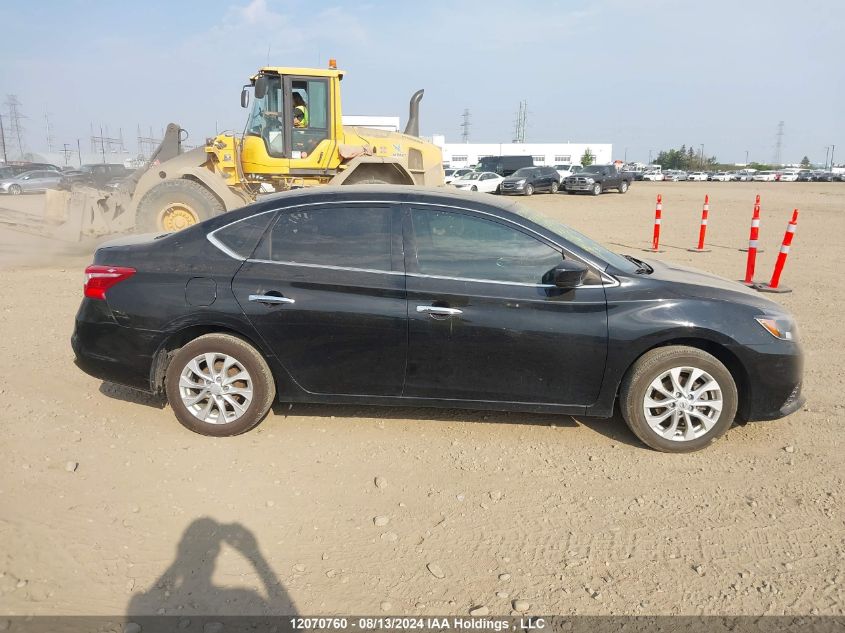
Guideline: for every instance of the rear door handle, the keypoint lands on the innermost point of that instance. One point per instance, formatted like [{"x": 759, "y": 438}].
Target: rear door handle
[
  {"x": 438, "y": 311},
  {"x": 270, "y": 299}
]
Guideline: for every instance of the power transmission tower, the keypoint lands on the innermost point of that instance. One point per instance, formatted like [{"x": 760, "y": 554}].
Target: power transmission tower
[
  {"x": 778, "y": 144},
  {"x": 66, "y": 152},
  {"x": 521, "y": 119},
  {"x": 3, "y": 139},
  {"x": 104, "y": 143},
  {"x": 49, "y": 131},
  {"x": 465, "y": 126},
  {"x": 147, "y": 144},
  {"x": 16, "y": 131}
]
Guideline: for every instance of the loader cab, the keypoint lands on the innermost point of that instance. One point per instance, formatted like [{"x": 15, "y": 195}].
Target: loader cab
[{"x": 272, "y": 144}]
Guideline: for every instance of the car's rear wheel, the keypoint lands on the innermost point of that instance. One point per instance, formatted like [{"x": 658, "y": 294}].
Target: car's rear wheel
[
  {"x": 474, "y": 188},
  {"x": 15, "y": 190},
  {"x": 555, "y": 187},
  {"x": 623, "y": 187},
  {"x": 678, "y": 399},
  {"x": 529, "y": 190},
  {"x": 596, "y": 190},
  {"x": 219, "y": 385}
]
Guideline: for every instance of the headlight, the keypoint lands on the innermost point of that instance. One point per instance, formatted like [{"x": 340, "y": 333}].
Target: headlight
[
  {"x": 781, "y": 327},
  {"x": 590, "y": 180}
]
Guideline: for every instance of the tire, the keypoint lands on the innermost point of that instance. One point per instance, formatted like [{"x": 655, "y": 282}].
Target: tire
[
  {"x": 173, "y": 205},
  {"x": 529, "y": 189},
  {"x": 596, "y": 190},
  {"x": 474, "y": 188},
  {"x": 247, "y": 359},
  {"x": 623, "y": 187},
  {"x": 554, "y": 188},
  {"x": 15, "y": 190},
  {"x": 639, "y": 383}
]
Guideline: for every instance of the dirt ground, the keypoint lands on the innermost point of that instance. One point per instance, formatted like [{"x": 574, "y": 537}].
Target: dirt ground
[{"x": 108, "y": 505}]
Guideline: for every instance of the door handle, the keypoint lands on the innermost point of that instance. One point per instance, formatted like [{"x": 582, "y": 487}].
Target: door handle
[
  {"x": 270, "y": 299},
  {"x": 438, "y": 311}
]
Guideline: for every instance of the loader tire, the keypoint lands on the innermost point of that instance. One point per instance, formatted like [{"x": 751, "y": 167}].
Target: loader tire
[{"x": 174, "y": 205}]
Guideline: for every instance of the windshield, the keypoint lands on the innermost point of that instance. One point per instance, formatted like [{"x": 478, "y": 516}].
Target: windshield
[
  {"x": 265, "y": 117},
  {"x": 473, "y": 175},
  {"x": 593, "y": 169},
  {"x": 582, "y": 241},
  {"x": 522, "y": 173}
]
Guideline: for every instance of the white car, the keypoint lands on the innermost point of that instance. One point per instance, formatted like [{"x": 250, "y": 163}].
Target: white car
[
  {"x": 789, "y": 175},
  {"x": 722, "y": 176},
  {"x": 565, "y": 171},
  {"x": 485, "y": 181},
  {"x": 654, "y": 176},
  {"x": 675, "y": 175},
  {"x": 700, "y": 176},
  {"x": 765, "y": 176},
  {"x": 452, "y": 174},
  {"x": 743, "y": 176}
]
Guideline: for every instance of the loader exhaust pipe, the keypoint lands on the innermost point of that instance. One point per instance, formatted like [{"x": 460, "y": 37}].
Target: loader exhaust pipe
[{"x": 412, "y": 128}]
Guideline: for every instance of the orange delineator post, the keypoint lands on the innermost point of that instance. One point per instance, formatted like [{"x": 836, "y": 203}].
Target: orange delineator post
[
  {"x": 658, "y": 213},
  {"x": 752, "y": 243},
  {"x": 703, "y": 230},
  {"x": 774, "y": 284}
]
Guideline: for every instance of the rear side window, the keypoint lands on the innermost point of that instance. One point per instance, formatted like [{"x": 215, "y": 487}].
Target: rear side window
[
  {"x": 241, "y": 237},
  {"x": 346, "y": 236}
]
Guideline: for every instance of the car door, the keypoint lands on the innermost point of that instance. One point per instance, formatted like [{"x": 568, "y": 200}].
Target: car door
[
  {"x": 325, "y": 289},
  {"x": 484, "y": 325}
]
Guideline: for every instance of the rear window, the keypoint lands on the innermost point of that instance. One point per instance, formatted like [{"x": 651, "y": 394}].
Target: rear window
[{"x": 348, "y": 237}]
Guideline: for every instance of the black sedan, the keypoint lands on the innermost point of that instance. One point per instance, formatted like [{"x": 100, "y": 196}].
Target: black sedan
[{"x": 408, "y": 296}]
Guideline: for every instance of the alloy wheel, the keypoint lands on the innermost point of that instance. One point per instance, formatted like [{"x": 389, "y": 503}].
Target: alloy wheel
[
  {"x": 683, "y": 403},
  {"x": 216, "y": 388}
]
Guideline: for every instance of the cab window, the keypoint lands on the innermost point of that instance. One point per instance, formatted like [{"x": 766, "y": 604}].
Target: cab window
[{"x": 307, "y": 134}]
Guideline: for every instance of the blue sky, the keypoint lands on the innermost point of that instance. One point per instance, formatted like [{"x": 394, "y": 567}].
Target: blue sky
[{"x": 643, "y": 75}]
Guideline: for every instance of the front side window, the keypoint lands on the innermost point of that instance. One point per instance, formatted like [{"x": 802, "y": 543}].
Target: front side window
[
  {"x": 310, "y": 119},
  {"x": 452, "y": 244},
  {"x": 348, "y": 237}
]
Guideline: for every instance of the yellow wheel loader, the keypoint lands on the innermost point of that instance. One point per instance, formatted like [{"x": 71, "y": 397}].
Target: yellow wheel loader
[{"x": 294, "y": 137}]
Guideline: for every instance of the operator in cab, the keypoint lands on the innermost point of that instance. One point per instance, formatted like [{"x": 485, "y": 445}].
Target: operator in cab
[{"x": 300, "y": 111}]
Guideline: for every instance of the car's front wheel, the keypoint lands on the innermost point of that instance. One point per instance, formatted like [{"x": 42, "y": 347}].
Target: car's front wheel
[
  {"x": 596, "y": 190},
  {"x": 678, "y": 399},
  {"x": 529, "y": 190},
  {"x": 15, "y": 190},
  {"x": 219, "y": 385}
]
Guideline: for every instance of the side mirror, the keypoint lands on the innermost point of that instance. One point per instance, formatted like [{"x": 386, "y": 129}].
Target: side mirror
[
  {"x": 568, "y": 274},
  {"x": 261, "y": 87},
  {"x": 244, "y": 97}
]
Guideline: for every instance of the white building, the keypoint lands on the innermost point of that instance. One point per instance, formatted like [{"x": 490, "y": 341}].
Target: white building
[{"x": 467, "y": 154}]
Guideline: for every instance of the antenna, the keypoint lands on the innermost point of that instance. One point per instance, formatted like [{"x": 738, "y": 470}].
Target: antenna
[
  {"x": 465, "y": 126},
  {"x": 778, "y": 144}
]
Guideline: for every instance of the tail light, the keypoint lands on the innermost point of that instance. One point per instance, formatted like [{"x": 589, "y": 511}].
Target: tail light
[{"x": 98, "y": 279}]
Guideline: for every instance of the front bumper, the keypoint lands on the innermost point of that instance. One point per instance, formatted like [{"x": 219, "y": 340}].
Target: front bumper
[
  {"x": 773, "y": 381},
  {"x": 578, "y": 186},
  {"x": 507, "y": 188}
]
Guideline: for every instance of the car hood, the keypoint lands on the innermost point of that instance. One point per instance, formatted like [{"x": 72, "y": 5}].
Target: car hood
[
  {"x": 515, "y": 178},
  {"x": 689, "y": 282}
]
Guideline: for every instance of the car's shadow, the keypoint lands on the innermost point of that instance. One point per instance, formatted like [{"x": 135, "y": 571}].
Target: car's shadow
[{"x": 613, "y": 428}]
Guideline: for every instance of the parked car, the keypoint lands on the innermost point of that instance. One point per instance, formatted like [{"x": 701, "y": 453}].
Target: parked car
[
  {"x": 675, "y": 175},
  {"x": 484, "y": 181},
  {"x": 565, "y": 171},
  {"x": 721, "y": 176},
  {"x": 96, "y": 174},
  {"x": 743, "y": 176},
  {"x": 10, "y": 171},
  {"x": 30, "y": 182},
  {"x": 452, "y": 174},
  {"x": 429, "y": 298},
  {"x": 528, "y": 180},
  {"x": 597, "y": 178},
  {"x": 654, "y": 176},
  {"x": 698, "y": 176},
  {"x": 504, "y": 165},
  {"x": 805, "y": 176},
  {"x": 764, "y": 176},
  {"x": 822, "y": 176}
]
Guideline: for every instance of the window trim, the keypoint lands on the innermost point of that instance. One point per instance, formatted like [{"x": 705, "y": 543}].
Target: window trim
[{"x": 605, "y": 276}]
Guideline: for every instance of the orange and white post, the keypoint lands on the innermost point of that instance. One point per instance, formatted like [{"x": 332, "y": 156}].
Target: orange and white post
[
  {"x": 774, "y": 283},
  {"x": 702, "y": 231},
  {"x": 658, "y": 216},
  {"x": 751, "y": 261}
]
